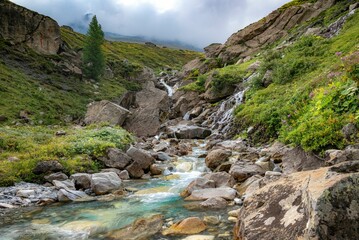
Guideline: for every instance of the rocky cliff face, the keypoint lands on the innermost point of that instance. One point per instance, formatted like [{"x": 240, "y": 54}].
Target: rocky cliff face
[
  {"x": 266, "y": 31},
  {"x": 20, "y": 25}
]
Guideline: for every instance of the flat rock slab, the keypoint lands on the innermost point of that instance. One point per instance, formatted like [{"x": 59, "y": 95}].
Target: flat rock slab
[{"x": 204, "y": 194}]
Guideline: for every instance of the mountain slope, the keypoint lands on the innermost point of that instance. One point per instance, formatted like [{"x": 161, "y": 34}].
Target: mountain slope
[
  {"x": 46, "y": 83},
  {"x": 302, "y": 84}
]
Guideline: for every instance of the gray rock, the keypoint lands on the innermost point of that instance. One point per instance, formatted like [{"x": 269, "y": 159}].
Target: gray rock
[
  {"x": 157, "y": 169},
  {"x": 102, "y": 183},
  {"x": 65, "y": 195},
  {"x": 135, "y": 170},
  {"x": 244, "y": 170},
  {"x": 198, "y": 183},
  {"x": 82, "y": 180},
  {"x": 189, "y": 132},
  {"x": 67, "y": 184},
  {"x": 26, "y": 193},
  {"x": 162, "y": 156},
  {"x": 105, "y": 111},
  {"x": 152, "y": 109},
  {"x": 317, "y": 204},
  {"x": 216, "y": 157},
  {"x": 116, "y": 159},
  {"x": 296, "y": 159},
  {"x": 5, "y": 205},
  {"x": 204, "y": 194},
  {"x": 141, "y": 157},
  {"x": 221, "y": 179},
  {"x": 124, "y": 175},
  {"x": 56, "y": 176},
  {"x": 214, "y": 203},
  {"x": 339, "y": 156},
  {"x": 23, "y": 26},
  {"x": 47, "y": 167}
]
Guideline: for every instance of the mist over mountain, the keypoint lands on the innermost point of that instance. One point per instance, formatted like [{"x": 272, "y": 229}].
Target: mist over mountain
[
  {"x": 81, "y": 26},
  {"x": 195, "y": 22}
]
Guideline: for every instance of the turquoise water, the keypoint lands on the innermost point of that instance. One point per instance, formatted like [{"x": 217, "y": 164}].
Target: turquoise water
[{"x": 91, "y": 220}]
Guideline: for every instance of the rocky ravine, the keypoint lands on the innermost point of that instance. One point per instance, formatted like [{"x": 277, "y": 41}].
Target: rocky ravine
[{"x": 280, "y": 192}]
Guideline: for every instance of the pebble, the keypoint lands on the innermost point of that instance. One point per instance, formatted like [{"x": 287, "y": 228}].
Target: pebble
[
  {"x": 238, "y": 201},
  {"x": 224, "y": 235},
  {"x": 26, "y": 194},
  {"x": 234, "y": 213},
  {"x": 232, "y": 219}
]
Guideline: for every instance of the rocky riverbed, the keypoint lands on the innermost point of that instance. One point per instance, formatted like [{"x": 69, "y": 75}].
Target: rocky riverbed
[{"x": 189, "y": 189}]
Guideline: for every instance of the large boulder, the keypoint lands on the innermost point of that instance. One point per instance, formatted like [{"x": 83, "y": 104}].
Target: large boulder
[
  {"x": 188, "y": 132},
  {"x": 47, "y": 167},
  {"x": 81, "y": 180},
  {"x": 116, "y": 159},
  {"x": 105, "y": 111},
  {"x": 339, "y": 156},
  {"x": 56, "y": 176},
  {"x": 142, "y": 228},
  {"x": 204, "y": 194},
  {"x": 141, "y": 156},
  {"x": 296, "y": 159},
  {"x": 214, "y": 203},
  {"x": 198, "y": 183},
  {"x": 135, "y": 170},
  {"x": 243, "y": 170},
  {"x": 216, "y": 157},
  {"x": 20, "y": 25},
  {"x": 102, "y": 183},
  {"x": 317, "y": 204},
  {"x": 221, "y": 179},
  {"x": 152, "y": 110},
  {"x": 65, "y": 195}
]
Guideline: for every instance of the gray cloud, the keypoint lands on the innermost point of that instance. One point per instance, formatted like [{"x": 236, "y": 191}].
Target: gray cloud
[{"x": 198, "y": 22}]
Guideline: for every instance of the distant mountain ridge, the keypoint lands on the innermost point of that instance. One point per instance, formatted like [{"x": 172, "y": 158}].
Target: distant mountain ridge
[{"x": 82, "y": 24}]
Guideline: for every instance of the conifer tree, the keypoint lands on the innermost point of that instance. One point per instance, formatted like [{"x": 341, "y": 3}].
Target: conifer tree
[{"x": 93, "y": 57}]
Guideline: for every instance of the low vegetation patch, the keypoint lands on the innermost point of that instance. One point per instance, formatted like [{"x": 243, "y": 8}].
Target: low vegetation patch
[
  {"x": 312, "y": 95},
  {"x": 21, "y": 148}
]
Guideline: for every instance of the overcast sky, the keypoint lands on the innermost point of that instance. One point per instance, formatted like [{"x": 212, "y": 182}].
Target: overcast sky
[{"x": 197, "y": 22}]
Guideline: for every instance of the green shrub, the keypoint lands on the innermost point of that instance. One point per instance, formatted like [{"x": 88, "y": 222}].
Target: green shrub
[
  {"x": 319, "y": 124},
  {"x": 77, "y": 151}
]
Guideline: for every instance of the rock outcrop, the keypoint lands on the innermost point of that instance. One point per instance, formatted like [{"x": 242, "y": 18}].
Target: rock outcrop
[
  {"x": 152, "y": 109},
  {"x": 266, "y": 31},
  {"x": 19, "y": 25},
  {"x": 318, "y": 204}
]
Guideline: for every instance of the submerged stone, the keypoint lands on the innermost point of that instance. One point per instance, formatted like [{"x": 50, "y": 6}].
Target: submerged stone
[{"x": 190, "y": 225}]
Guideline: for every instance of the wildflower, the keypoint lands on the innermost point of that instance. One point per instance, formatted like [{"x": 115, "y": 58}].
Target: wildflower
[{"x": 338, "y": 53}]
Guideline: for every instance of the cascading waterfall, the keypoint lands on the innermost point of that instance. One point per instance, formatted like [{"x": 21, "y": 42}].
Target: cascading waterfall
[
  {"x": 168, "y": 88},
  {"x": 186, "y": 116},
  {"x": 223, "y": 117}
]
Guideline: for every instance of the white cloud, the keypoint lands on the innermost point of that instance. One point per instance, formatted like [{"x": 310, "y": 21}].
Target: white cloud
[{"x": 199, "y": 22}]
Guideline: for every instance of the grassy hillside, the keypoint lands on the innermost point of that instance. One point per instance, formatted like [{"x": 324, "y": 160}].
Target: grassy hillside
[
  {"x": 314, "y": 93},
  {"x": 36, "y": 84},
  {"x": 311, "y": 92},
  {"x": 141, "y": 54}
]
